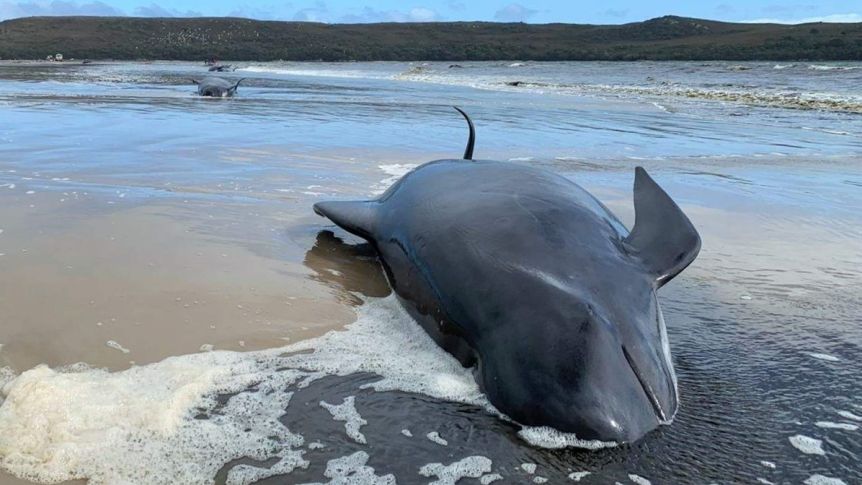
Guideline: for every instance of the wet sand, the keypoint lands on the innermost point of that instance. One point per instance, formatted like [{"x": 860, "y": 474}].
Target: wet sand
[{"x": 77, "y": 275}]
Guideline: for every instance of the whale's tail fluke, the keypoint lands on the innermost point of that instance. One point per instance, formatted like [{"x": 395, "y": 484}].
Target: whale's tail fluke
[{"x": 468, "y": 153}]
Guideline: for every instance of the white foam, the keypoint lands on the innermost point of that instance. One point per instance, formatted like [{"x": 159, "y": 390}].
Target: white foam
[
  {"x": 470, "y": 467},
  {"x": 577, "y": 476},
  {"x": 289, "y": 460},
  {"x": 821, "y": 67},
  {"x": 90, "y": 424},
  {"x": 545, "y": 437},
  {"x": 435, "y": 437},
  {"x": 661, "y": 107},
  {"x": 831, "y": 425},
  {"x": 807, "y": 445},
  {"x": 386, "y": 341},
  {"x": 316, "y": 445},
  {"x": 540, "y": 480},
  {"x": 7, "y": 375},
  {"x": 768, "y": 464},
  {"x": 822, "y": 480},
  {"x": 394, "y": 171},
  {"x": 407, "y": 433},
  {"x": 529, "y": 467},
  {"x": 490, "y": 478},
  {"x": 639, "y": 480},
  {"x": 116, "y": 346},
  {"x": 304, "y": 71},
  {"x": 826, "y": 357},
  {"x": 353, "y": 470},
  {"x": 81, "y": 423},
  {"x": 347, "y": 412},
  {"x": 849, "y": 415}
]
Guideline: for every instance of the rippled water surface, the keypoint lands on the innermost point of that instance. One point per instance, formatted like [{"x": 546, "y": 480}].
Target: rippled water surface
[{"x": 169, "y": 240}]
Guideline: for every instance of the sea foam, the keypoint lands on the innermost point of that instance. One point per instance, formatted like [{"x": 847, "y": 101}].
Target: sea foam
[{"x": 85, "y": 423}]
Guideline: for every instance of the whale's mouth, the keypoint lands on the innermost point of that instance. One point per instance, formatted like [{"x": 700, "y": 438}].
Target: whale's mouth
[{"x": 650, "y": 393}]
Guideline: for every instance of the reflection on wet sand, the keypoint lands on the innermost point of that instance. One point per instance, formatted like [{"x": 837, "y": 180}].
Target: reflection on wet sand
[{"x": 348, "y": 268}]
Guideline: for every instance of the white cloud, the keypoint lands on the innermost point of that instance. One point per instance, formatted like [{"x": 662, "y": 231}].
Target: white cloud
[
  {"x": 844, "y": 18},
  {"x": 514, "y": 12},
  {"x": 154, "y": 10},
  {"x": 422, "y": 14},
  {"x": 9, "y": 10},
  {"x": 318, "y": 13},
  {"x": 369, "y": 14}
]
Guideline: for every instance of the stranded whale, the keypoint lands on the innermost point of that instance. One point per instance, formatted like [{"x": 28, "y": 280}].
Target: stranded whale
[
  {"x": 216, "y": 87},
  {"x": 523, "y": 274}
]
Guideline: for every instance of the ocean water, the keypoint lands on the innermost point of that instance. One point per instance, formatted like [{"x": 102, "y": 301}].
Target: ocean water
[{"x": 171, "y": 311}]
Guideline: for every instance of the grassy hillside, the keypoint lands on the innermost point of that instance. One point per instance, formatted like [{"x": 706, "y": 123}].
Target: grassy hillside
[{"x": 665, "y": 38}]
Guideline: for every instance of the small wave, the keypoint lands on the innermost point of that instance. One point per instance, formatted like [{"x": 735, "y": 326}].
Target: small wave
[
  {"x": 775, "y": 99},
  {"x": 741, "y": 94},
  {"x": 823, "y": 130},
  {"x": 783, "y": 66},
  {"x": 823, "y": 67},
  {"x": 305, "y": 71}
]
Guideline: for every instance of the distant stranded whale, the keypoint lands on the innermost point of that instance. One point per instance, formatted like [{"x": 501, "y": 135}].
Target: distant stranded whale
[
  {"x": 216, "y": 87},
  {"x": 525, "y": 275}
]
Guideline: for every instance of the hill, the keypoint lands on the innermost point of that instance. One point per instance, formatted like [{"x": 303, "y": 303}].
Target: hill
[{"x": 665, "y": 38}]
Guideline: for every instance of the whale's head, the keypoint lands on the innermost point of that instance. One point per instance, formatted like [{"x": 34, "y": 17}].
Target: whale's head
[
  {"x": 216, "y": 88},
  {"x": 596, "y": 367},
  {"x": 580, "y": 344}
]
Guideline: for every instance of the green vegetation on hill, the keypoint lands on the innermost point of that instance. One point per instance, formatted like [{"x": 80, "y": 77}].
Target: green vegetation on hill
[{"x": 665, "y": 38}]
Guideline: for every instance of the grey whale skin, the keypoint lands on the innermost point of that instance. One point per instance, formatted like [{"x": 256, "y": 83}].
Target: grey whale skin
[
  {"x": 525, "y": 275},
  {"x": 216, "y": 87}
]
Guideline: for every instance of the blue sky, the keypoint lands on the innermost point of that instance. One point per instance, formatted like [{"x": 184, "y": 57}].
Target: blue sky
[{"x": 533, "y": 11}]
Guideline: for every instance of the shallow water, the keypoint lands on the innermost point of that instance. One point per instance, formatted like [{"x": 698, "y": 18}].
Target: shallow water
[{"x": 141, "y": 222}]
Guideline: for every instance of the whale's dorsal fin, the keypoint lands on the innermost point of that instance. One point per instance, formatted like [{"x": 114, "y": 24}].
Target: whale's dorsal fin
[
  {"x": 235, "y": 86},
  {"x": 663, "y": 238},
  {"x": 195, "y": 81},
  {"x": 356, "y": 217},
  {"x": 471, "y": 141}
]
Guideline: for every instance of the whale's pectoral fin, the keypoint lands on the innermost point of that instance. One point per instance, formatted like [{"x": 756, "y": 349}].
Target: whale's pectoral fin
[
  {"x": 356, "y": 217},
  {"x": 663, "y": 238}
]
